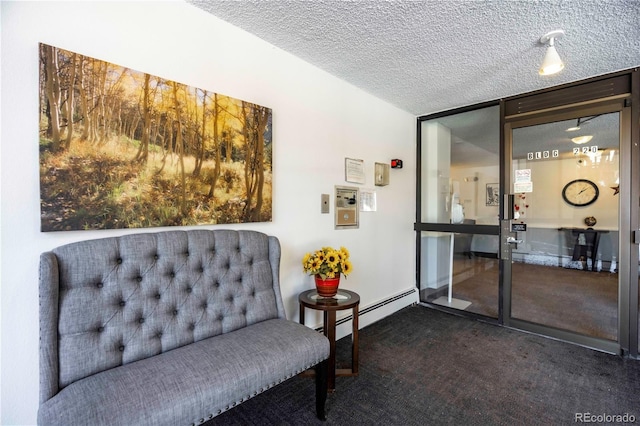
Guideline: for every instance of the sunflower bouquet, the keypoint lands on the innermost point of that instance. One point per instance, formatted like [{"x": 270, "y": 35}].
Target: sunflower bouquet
[{"x": 327, "y": 262}]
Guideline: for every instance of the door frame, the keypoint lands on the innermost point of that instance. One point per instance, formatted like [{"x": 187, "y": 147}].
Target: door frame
[
  {"x": 628, "y": 330},
  {"x": 602, "y": 106}
]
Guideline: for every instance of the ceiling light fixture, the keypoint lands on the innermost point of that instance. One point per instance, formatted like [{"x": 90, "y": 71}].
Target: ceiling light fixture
[
  {"x": 552, "y": 63},
  {"x": 576, "y": 127},
  {"x": 581, "y": 121},
  {"x": 581, "y": 139}
]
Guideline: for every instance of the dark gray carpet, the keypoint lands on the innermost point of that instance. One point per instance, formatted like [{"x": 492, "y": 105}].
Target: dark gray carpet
[{"x": 420, "y": 366}]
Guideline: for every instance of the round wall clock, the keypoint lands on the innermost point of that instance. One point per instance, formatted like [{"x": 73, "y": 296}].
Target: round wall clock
[{"x": 580, "y": 192}]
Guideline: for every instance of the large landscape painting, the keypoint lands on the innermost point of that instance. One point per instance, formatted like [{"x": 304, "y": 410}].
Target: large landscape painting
[{"x": 125, "y": 149}]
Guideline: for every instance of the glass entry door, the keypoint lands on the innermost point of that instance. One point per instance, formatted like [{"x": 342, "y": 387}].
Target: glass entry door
[
  {"x": 457, "y": 240},
  {"x": 527, "y": 212},
  {"x": 560, "y": 233}
]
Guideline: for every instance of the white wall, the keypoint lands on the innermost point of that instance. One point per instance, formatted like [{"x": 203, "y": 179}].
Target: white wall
[
  {"x": 546, "y": 205},
  {"x": 318, "y": 120},
  {"x": 547, "y": 209}
]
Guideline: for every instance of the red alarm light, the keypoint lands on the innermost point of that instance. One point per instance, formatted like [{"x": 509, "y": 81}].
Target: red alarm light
[{"x": 396, "y": 163}]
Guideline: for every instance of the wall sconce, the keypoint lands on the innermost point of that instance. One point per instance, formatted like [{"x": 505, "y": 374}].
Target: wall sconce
[{"x": 552, "y": 63}]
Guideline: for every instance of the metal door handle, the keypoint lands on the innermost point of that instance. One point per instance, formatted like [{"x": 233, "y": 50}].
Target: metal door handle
[{"x": 512, "y": 240}]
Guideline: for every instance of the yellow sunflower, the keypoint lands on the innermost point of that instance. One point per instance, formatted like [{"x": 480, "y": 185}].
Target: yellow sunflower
[
  {"x": 333, "y": 258},
  {"x": 346, "y": 267}
]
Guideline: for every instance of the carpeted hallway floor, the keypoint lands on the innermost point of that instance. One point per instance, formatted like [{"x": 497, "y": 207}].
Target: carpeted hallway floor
[
  {"x": 580, "y": 301},
  {"x": 420, "y": 366}
]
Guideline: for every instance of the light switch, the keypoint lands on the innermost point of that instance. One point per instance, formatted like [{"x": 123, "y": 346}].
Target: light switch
[{"x": 324, "y": 203}]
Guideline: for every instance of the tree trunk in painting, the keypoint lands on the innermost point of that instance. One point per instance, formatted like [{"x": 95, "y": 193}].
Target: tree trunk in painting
[
  {"x": 216, "y": 145},
  {"x": 143, "y": 150},
  {"x": 180, "y": 147},
  {"x": 203, "y": 139},
  {"x": 70, "y": 102},
  {"x": 255, "y": 123},
  {"x": 52, "y": 88},
  {"x": 84, "y": 103}
]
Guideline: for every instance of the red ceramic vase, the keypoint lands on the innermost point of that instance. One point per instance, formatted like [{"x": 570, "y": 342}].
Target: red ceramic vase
[{"x": 328, "y": 287}]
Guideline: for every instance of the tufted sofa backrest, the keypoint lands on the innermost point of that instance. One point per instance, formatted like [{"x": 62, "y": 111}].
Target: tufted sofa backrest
[{"x": 112, "y": 301}]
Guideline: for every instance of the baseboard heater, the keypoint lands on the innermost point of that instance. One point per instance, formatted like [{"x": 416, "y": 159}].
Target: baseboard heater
[{"x": 372, "y": 307}]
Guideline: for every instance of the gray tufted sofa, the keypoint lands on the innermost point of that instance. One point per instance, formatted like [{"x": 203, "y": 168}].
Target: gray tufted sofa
[{"x": 166, "y": 328}]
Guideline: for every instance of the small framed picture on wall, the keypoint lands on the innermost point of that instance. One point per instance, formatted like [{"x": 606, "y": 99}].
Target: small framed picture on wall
[{"x": 493, "y": 194}]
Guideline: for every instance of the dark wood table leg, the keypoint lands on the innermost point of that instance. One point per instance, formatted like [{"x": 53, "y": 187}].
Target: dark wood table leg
[
  {"x": 301, "y": 314},
  {"x": 354, "y": 342},
  {"x": 330, "y": 332}
]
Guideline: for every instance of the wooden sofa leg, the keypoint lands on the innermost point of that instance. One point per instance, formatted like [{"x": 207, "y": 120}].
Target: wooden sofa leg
[{"x": 322, "y": 372}]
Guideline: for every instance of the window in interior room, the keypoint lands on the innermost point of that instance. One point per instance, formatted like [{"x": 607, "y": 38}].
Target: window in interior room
[{"x": 460, "y": 163}]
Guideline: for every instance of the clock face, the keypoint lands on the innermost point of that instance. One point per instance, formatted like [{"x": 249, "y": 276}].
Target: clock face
[{"x": 580, "y": 192}]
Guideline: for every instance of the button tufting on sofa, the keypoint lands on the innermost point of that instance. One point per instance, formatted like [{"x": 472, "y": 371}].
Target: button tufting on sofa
[{"x": 139, "y": 334}]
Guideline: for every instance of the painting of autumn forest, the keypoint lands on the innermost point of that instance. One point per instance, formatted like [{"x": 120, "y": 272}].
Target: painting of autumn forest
[{"x": 125, "y": 149}]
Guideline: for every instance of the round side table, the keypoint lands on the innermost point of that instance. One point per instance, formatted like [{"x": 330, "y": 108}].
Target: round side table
[{"x": 343, "y": 300}]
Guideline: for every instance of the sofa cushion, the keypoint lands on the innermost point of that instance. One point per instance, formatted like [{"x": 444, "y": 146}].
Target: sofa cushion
[{"x": 193, "y": 380}]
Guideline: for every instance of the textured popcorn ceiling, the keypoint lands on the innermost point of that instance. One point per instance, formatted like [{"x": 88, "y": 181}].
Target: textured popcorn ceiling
[{"x": 426, "y": 56}]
